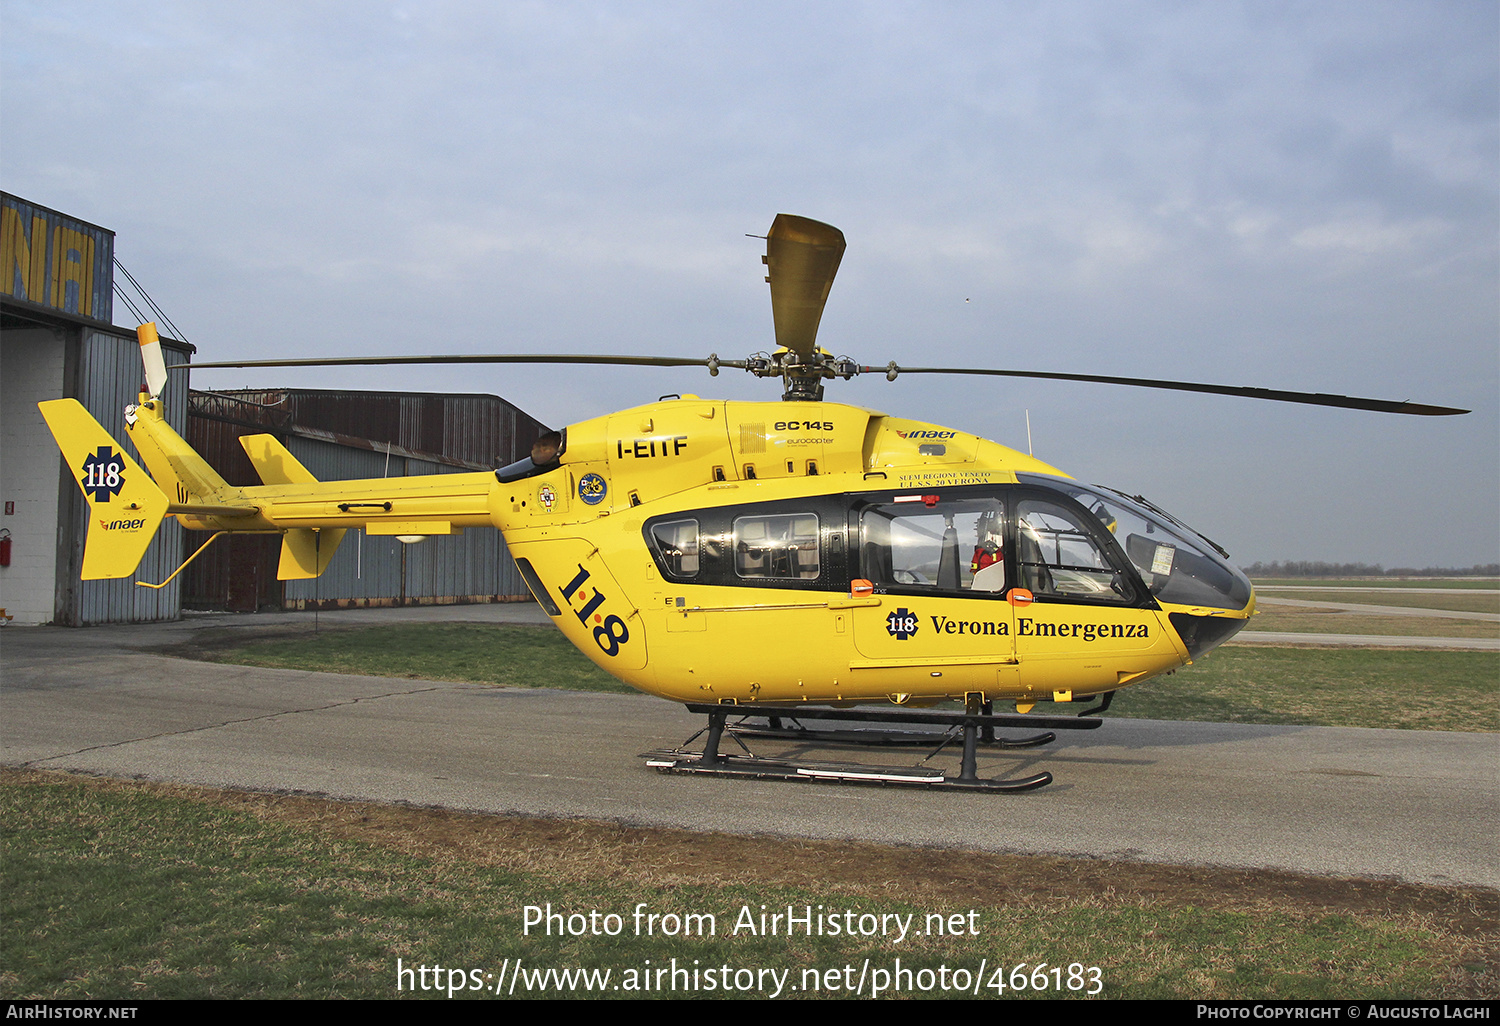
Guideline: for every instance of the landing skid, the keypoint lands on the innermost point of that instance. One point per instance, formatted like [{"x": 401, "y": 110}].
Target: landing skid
[
  {"x": 975, "y": 727},
  {"x": 864, "y": 736}
]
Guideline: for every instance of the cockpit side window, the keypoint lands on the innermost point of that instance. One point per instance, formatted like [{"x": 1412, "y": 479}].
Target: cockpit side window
[
  {"x": 1060, "y": 556},
  {"x": 1176, "y": 564},
  {"x": 676, "y": 544}
]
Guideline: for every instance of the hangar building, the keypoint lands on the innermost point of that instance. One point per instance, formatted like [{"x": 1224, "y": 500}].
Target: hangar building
[
  {"x": 57, "y": 340},
  {"x": 343, "y": 435}
]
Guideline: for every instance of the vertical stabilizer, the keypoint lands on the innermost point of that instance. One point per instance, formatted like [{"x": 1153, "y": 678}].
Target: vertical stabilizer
[
  {"x": 125, "y": 506},
  {"x": 273, "y": 462},
  {"x": 306, "y": 552}
]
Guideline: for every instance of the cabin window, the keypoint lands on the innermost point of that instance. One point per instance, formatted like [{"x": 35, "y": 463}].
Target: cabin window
[
  {"x": 953, "y": 545},
  {"x": 676, "y": 543},
  {"x": 778, "y": 547}
]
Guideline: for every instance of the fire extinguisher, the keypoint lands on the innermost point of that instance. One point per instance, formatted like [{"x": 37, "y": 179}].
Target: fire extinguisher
[{"x": 5, "y": 547}]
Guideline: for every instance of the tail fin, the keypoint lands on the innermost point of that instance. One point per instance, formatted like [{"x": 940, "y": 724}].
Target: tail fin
[
  {"x": 305, "y": 553},
  {"x": 125, "y": 504},
  {"x": 273, "y": 462}
]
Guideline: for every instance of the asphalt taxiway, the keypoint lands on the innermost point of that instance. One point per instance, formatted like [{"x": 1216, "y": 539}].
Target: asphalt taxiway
[{"x": 1411, "y": 805}]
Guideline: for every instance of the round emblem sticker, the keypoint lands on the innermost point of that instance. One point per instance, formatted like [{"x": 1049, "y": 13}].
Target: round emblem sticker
[{"x": 591, "y": 489}]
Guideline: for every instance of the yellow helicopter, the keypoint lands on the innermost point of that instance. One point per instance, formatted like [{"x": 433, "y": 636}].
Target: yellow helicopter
[{"x": 784, "y": 559}]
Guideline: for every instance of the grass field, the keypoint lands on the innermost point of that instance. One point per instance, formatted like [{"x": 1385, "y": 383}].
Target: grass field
[
  {"x": 119, "y": 889},
  {"x": 1328, "y": 687},
  {"x": 1471, "y": 602},
  {"x": 511, "y": 655},
  {"x": 1304, "y": 620},
  {"x": 1432, "y": 690}
]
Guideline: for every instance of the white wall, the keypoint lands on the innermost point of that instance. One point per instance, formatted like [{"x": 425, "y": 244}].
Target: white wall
[{"x": 31, "y": 369}]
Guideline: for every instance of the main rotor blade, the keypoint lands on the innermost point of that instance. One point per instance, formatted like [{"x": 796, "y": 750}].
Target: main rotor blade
[
  {"x": 1277, "y": 395},
  {"x": 802, "y": 256},
  {"x": 713, "y": 363},
  {"x": 376, "y": 361}
]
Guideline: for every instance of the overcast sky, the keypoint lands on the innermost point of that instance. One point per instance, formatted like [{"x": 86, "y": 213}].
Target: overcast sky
[{"x": 1291, "y": 195}]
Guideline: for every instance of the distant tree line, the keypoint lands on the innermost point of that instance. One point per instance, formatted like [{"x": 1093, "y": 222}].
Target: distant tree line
[{"x": 1304, "y": 568}]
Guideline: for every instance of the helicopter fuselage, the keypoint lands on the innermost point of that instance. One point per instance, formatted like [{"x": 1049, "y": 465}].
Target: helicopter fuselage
[
  {"x": 718, "y": 551},
  {"x": 781, "y": 552}
]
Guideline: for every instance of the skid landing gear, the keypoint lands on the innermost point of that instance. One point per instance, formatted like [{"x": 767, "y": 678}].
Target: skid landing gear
[{"x": 973, "y": 727}]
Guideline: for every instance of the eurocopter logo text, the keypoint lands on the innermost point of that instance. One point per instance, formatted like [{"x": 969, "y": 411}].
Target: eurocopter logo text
[{"x": 928, "y": 434}]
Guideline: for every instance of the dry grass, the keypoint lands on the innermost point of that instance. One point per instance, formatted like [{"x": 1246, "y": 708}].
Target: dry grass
[{"x": 1164, "y": 931}]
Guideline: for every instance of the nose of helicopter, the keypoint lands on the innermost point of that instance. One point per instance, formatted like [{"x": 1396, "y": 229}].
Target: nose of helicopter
[
  {"x": 1207, "y": 599},
  {"x": 1203, "y": 631},
  {"x": 1229, "y": 598}
]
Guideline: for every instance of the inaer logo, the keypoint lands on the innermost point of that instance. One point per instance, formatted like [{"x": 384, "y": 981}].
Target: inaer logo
[
  {"x": 927, "y": 434},
  {"x": 103, "y": 474},
  {"x": 122, "y": 525}
]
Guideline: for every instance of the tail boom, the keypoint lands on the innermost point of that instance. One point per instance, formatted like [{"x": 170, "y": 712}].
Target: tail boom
[{"x": 312, "y": 516}]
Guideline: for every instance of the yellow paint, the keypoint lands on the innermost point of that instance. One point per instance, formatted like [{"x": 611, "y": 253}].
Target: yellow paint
[
  {"x": 421, "y": 527},
  {"x": 72, "y": 261},
  {"x": 125, "y": 506},
  {"x": 306, "y": 554},
  {"x": 582, "y": 528},
  {"x": 273, "y": 462}
]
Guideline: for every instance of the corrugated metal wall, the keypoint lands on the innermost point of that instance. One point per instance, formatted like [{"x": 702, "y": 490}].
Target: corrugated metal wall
[
  {"x": 342, "y": 436},
  {"x": 109, "y": 377},
  {"x": 473, "y": 431},
  {"x": 473, "y": 566}
]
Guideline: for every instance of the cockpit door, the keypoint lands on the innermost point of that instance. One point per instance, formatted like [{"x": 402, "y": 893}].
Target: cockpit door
[
  {"x": 1089, "y": 625},
  {"x": 938, "y": 565}
]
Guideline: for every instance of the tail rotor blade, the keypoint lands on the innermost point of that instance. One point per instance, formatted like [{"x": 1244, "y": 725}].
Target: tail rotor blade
[{"x": 151, "y": 358}]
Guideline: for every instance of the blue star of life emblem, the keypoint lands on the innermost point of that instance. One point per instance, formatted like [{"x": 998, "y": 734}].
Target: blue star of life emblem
[
  {"x": 103, "y": 473},
  {"x": 901, "y": 624}
]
